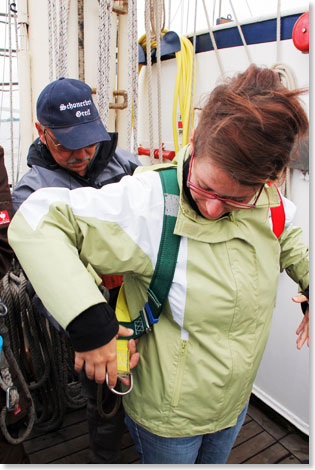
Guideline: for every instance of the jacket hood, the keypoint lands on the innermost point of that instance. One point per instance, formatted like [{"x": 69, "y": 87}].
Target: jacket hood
[{"x": 39, "y": 155}]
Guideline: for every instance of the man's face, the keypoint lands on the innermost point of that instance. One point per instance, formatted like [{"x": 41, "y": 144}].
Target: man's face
[{"x": 73, "y": 160}]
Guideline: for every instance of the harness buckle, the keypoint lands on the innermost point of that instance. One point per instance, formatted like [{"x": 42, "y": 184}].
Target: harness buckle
[
  {"x": 146, "y": 320},
  {"x": 8, "y": 405},
  {"x": 148, "y": 310}
]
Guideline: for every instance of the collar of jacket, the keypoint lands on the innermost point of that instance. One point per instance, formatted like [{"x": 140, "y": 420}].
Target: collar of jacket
[{"x": 39, "y": 155}]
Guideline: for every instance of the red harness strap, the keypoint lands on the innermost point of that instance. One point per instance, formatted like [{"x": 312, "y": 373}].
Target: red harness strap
[{"x": 278, "y": 217}]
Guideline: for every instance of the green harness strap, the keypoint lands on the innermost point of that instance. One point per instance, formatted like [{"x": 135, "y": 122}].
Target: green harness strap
[{"x": 166, "y": 262}]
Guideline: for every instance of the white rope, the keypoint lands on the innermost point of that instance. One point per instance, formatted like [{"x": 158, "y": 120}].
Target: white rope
[
  {"x": 149, "y": 75},
  {"x": 157, "y": 11},
  {"x": 217, "y": 54},
  {"x": 50, "y": 42},
  {"x": 213, "y": 11},
  {"x": 6, "y": 383},
  {"x": 193, "y": 73},
  {"x": 288, "y": 79},
  {"x": 187, "y": 15},
  {"x": 132, "y": 76},
  {"x": 11, "y": 95},
  {"x": 18, "y": 165},
  {"x": 104, "y": 28},
  {"x": 62, "y": 66},
  {"x": 278, "y": 31},
  {"x": 241, "y": 33}
]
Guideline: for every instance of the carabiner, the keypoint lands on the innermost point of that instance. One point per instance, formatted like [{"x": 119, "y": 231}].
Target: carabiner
[
  {"x": 8, "y": 399},
  {"x": 116, "y": 391}
]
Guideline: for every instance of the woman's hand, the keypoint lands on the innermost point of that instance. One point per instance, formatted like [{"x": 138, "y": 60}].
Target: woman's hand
[{"x": 303, "y": 328}]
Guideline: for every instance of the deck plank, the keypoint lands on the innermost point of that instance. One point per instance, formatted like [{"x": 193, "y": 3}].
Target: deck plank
[
  {"x": 271, "y": 455},
  {"x": 53, "y": 438},
  {"x": 274, "y": 428},
  {"x": 263, "y": 439},
  {"x": 247, "y": 431},
  {"x": 250, "y": 448},
  {"x": 58, "y": 451},
  {"x": 296, "y": 445}
]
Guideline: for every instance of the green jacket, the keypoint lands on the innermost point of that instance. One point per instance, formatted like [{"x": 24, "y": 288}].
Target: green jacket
[{"x": 198, "y": 365}]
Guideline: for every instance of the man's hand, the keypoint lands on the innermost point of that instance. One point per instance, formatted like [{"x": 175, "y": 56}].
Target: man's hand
[
  {"x": 303, "y": 328},
  {"x": 103, "y": 359}
]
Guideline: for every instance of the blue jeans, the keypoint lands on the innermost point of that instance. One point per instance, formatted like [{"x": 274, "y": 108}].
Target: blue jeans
[{"x": 211, "y": 448}]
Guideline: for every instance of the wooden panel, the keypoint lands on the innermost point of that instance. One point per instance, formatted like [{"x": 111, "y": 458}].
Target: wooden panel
[
  {"x": 250, "y": 448},
  {"x": 272, "y": 455}
]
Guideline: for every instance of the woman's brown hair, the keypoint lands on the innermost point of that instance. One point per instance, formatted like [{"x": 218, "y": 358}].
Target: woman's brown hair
[{"x": 249, "y": 126}]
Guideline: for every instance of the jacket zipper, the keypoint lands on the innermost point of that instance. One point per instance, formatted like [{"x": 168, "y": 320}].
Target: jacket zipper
[{"x": 180, "y": 371}]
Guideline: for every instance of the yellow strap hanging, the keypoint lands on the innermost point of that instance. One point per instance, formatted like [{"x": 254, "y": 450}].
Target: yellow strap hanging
[{"x": 122, "y": 315}]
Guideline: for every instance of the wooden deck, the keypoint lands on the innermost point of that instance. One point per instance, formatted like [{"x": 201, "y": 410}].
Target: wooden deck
[{"x": 265, "y": 438}]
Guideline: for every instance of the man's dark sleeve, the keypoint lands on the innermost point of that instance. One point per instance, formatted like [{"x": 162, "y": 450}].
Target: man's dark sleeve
[
  {"x": 6, "y": 211},
  {"x": 93, "y": 328}
]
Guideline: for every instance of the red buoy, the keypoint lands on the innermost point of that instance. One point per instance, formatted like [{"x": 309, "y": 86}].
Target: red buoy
[{"x": 300, "y": 33}]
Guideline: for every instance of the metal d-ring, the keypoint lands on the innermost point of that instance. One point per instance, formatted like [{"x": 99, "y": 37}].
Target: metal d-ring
[{"x": 116, "y": 391}]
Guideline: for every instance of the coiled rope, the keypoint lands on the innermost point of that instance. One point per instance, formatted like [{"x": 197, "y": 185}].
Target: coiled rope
[
  {"x": 132, "y": 77},
  {"x": 104, "y": 55},
  {"x": 58, "y": 39},
  {"x": 44, "y": 356}
]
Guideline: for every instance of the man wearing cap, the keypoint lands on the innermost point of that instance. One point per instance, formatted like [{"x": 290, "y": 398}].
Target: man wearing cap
[{"x": 74, "y": 150}]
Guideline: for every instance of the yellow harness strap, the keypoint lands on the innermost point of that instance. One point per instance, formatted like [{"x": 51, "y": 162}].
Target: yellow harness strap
[{"x": 122, "y": 315}]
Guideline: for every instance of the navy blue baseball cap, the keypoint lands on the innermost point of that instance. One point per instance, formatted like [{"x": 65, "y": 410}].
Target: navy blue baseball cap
[{"x": 66, "y": 107}]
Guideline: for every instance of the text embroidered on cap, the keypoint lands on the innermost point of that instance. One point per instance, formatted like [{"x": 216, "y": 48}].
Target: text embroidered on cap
[
  {"x": 4, "y": 217},
  {"x": 83, "y": 113},
  {"x": 81, "y": 104}
]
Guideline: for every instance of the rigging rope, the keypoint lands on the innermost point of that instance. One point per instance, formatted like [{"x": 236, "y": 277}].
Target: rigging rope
[
  {"x": 191, "y": 112},
  {"x": 104, "y": 56},
  {"x": 147, "y": 11},
  {"x": 241, "y": 33},
  {"x": 62, "y": 65},
  {"x": 11, "y": 94},
  {"x": 158, "y": 28},
  {"x": 288, "y": 79},
  {"x": 44, "y": 356},
  {"x": 58, "y": 39},
  {"x": 278, "y": 31},
  {"x": 214, "y": 43},
  {"x": 132, "y": 76}
]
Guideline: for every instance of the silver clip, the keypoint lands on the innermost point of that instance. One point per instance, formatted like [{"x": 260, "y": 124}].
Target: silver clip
[
  {"x": 148, "y": 328},
  {"x": 116, "y": 391},
  {"x": 8, "y": 399}
]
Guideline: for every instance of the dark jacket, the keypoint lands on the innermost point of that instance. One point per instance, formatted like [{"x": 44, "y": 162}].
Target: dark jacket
[
  {"x": 109, "y": 165},
  {"x": 6, "y": 211}
]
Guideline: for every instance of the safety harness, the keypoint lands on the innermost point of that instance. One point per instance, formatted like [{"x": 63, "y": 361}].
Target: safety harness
[{"x": 164, "y": 271}]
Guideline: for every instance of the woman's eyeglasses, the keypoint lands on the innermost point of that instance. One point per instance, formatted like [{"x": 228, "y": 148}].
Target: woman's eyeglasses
[{"x": 211, "y": 195}]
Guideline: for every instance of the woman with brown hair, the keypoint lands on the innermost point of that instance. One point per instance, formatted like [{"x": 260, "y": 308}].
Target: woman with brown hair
[{"x": 197, "y": 367}]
